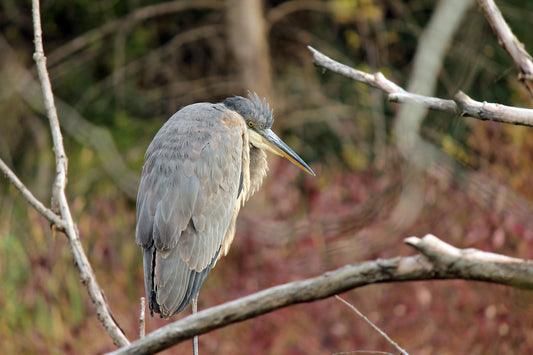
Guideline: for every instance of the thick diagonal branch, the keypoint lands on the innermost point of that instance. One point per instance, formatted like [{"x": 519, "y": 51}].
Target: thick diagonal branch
[{"x": 439, "y": 261}]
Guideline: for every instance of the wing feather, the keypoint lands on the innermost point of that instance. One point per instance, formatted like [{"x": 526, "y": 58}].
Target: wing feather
[{"x": 186, "y": 201}]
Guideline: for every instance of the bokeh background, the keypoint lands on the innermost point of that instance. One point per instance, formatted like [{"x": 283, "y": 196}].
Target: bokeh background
[{"x": 120, "y": 68}]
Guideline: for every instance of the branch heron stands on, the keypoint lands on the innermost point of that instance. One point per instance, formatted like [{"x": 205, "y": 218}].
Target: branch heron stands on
[{"x": 202, "y": 166}]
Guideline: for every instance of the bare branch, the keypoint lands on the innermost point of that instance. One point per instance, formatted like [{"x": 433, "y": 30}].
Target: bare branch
[
  {"x": 59, "y": 198},
  {"x": 51, "y": 112},
  {"x": 509, "y": 42},
  {"x": 377, "y": 80},
  {"x": 32, "y": 200},
  {"x": 462, "y": 105},
  {"x": 432, "y": 103},
  {"x": 493, "y": 112},
  {"x": 441, "y": 262},
  {"x": 475, "y": 264}
]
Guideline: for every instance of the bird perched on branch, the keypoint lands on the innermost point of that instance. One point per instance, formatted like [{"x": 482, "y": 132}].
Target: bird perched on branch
[{"x": 202, "y": 166}]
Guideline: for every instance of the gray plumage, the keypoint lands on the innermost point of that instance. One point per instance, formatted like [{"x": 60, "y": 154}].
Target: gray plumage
[{"x": 199, "y": 170}]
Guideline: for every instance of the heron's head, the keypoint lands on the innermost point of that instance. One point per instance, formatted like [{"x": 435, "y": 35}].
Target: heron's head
[{"x": 259, "y": 119}]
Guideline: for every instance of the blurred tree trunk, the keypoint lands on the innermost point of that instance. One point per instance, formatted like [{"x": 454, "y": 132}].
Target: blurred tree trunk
[
  {"x": 248, "y": 40},
  {"x": 422, "y": 155}
]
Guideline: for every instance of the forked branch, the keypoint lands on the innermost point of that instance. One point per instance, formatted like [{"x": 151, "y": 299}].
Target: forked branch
[
  {"x": 461, "y": 105},
  {"x": 59, "y": 199}
]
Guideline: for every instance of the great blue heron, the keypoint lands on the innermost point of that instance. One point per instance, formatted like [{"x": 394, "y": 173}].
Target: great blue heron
[{"x": 201, "y": 167}]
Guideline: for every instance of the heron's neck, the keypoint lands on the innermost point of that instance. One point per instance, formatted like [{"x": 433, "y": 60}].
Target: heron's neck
[{"x": 258, "y": 169}]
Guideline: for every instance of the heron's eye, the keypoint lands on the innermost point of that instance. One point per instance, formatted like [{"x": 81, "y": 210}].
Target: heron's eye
[{"x": 251, "y": 124}]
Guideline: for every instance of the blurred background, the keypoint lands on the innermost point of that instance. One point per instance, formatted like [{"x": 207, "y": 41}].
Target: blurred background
[{"x": 120, "y": 69}]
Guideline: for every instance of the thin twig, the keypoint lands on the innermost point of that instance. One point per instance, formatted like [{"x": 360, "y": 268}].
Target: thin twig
[
  {"x": 142, "y": 318},
  {"x": 32, "y": 200},
  {"x": 443, "y": 261},
  {"x": 59, "y": 199},
  {"x": 376, "y": 80},
  {"x": 376, "y": 328}
]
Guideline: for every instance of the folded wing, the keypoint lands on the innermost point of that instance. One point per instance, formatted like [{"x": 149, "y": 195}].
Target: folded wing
[{"x": 186, "y": 199}]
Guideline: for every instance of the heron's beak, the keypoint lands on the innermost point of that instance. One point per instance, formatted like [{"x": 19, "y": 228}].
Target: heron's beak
[{"x": 267, "y": 139}]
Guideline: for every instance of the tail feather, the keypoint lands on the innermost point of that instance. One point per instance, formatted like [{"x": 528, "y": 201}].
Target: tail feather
[{"x": 170, "y": 283}]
